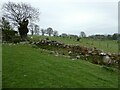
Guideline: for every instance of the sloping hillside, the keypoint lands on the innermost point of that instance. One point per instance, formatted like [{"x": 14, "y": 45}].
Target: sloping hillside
[{"x": 28, "y": 67}]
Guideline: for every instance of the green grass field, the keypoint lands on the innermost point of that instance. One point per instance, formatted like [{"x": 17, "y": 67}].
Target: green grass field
[
  {"x": 106, "y": 45},
  {"x": 27, "y": 67},
  {"x": 0, "y": 65}
]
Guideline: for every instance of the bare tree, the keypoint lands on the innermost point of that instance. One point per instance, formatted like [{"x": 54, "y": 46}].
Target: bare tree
[
  {"x": 63, "y": 35},
  {"x": 82, "y": 34},
  {"x": 31, "y": 28},
  {"x": 55, "y": 33},
  {"x": 49, "y": 31},
  {"x": 20, "y": 14},
  {"x": 43, "y": 31},
  {"x": 36, "y": 30}
]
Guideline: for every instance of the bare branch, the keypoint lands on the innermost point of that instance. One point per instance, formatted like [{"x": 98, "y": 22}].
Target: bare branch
[{"x": 18, "y": 11}]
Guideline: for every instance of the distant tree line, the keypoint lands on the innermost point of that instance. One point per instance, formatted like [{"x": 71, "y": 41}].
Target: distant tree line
[
  {"x": 115, "y": 36},
  {"x": 36, "y": 31}
]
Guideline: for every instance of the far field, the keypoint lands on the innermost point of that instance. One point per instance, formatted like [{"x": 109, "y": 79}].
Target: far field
[
  {"x": 105, "y": 45},
  {"x": 28, "y": 67}
]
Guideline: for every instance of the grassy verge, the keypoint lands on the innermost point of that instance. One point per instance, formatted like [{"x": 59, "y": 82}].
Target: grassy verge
[{"x": 27, "y": 67}]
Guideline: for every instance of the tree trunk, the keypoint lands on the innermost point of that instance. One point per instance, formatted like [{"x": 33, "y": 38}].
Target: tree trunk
[
  {"x": 23, "y": 33},
  {"x": 23, "y": 30}
]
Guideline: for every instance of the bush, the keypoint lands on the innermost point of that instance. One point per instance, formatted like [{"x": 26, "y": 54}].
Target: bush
[
  {"x": 16, "y": 39},
  {"x": 8, "y": 35}
]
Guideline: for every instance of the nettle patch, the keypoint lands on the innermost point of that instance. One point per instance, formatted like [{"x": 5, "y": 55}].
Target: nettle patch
[{"x": 76, "y": 52}]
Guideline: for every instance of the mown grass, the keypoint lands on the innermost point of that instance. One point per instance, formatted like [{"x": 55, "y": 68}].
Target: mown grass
[
  {"x": 105, "y": 45},
  {"x": 0, "y": 65},
  {"x": 27, "y": 67}
]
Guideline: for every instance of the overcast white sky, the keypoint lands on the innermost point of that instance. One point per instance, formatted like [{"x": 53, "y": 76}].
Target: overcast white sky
[{"x": 74, "y": 16}]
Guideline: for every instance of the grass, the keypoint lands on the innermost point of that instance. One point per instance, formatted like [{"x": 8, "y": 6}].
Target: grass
[
  {"x": 27, "y": 67},
  {"x": 0, "y": 65},
  {"x": 106, "y": 45}
]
